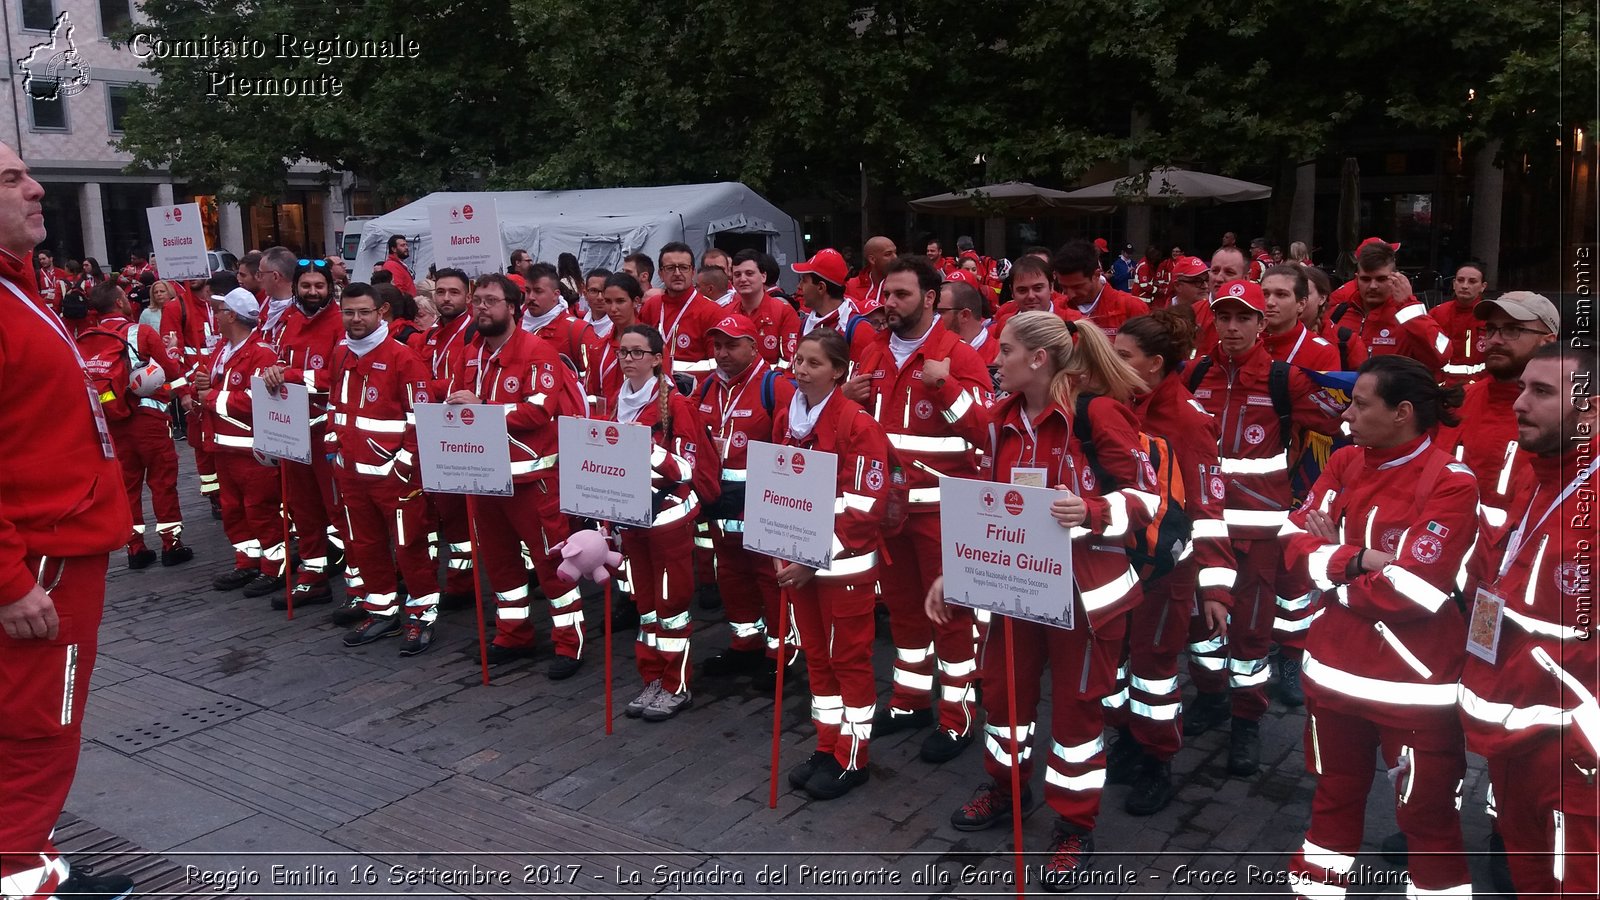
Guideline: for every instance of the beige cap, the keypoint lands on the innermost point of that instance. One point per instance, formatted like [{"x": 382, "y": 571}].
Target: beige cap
[{"x": 1524, "y": 306}]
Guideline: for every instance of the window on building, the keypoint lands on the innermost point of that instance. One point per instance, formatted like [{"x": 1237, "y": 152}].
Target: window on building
[
  {"x": 116, "y": 16},
  {"x": 38, "y": 15},
  {"x": 118, "y": 96},
  {"x": 47, "y": 105}
]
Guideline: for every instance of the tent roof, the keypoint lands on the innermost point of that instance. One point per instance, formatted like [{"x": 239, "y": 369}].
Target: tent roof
[{"x": 1168, "y": 184}]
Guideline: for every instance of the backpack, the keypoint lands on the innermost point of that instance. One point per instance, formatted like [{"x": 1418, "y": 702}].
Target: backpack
[
  {"x": 1344, "y": 335},
  {"x": 111, "y": 371},
  {"x": 1154, "y": 550},
  {"x": 850, "y": 328},
  {"x": 1277, "y": 389},
  {"x": 74, "y": 306},
  {"x": 769, "y": 396}
]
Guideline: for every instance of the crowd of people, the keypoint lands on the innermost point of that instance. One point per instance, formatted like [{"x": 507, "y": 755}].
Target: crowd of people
[{"x": 1404, "y": 539}]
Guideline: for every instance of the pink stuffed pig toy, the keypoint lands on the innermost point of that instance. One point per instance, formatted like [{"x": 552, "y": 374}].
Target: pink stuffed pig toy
[{"x": 586, "y": 555}]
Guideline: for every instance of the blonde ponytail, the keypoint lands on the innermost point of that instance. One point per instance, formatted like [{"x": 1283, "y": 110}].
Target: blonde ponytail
[{"x": 1080, "y": 357}]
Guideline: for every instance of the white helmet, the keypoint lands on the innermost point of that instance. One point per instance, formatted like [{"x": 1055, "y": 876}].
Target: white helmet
[{"x": 147, "y": 379}]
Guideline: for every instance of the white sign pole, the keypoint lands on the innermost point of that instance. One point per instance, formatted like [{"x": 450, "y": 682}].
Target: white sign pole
[
  {"x": 178, "y": 239},
  {"x": 1003, "y": 552},
  {"x": 605, "y": 471},
  {"x": 282, "y": 421},
  {"x": 788, "y": 503},
  {"x": 466, "y": 236},
  {"x": 462, "y": 448}
]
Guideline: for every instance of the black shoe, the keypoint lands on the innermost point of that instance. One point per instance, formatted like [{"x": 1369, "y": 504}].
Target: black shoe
[
  {"x": 1244, "y": 747},
  {"x": 234, "y": 579},
  {"x": 765, "y": 677},
  {"x": 1205, "y": 713},
  {"x": 1152, "y": 788},
  {"x": 1290, "y": 693},
  {"x": 733, "y": 662},
  {"x": 943, "y": 746},
  {"x": 216, "y": 510},
  {"x": 799, "y": 775},
  {"x": 374, "y": 628},
  {"x": 265, "y": 586},
  {"x": 1124, "y": 758},
  {"x": 1395, "y": 852},
  {"x": 709, "y": 596},
  {"x": 499, "y": 653},
  {"x": 84, "y": 884},
  {"x": 1499, "y": 866},
  {"x": 990, "y": 805},
  {"x": 315, "y": 594},
  {"x": 624, "y": 614},
  {"x": 890, "y": 720},
  {"x": 831, "y": 781},
  {"x": 1071, "y": 856},
  {"x": 142, "y": 559},
  {"x": 449, "y": 601},
  {"x": 563, "y": 667},
  {"x": 418, "y": 638},
  {"x": 348, "y": 614},
  {"x": 177, "y": 556},
  {"x": 335, "y": 559}
]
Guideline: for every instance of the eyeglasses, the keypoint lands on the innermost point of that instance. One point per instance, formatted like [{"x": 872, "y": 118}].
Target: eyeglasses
[
  {"x": 319, "y": 263},
  {"x": 486, "y": 302},
  {"x": 632, "y": 353},
  {"x": 1509, "y": 332},
  {"x": 358, "y": 311},
  {"x": 947, "y": 309},
  {"x": 677, "y": 267}
]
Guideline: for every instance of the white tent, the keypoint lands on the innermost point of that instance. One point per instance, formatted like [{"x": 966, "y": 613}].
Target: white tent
[{"x": 600, "y": 227}]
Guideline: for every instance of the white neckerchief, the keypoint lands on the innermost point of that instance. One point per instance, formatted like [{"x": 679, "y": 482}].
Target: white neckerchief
[
  {"x": 902, "y": 349},
  {"x": 814, "y": 320},
  {"x": 275, "y": 313},
  {"x": 631, "y": 402},
  {"x": 727, "y": 298},
  {"x": 803, "y": 419},
  {"x": 980, "y": 340},
  {"x": 602, "y": 326},
  {"x": 225, "y": 354},
  {"x": 362, "y": 346},
  {"x": 1088, "y": 311},
  {"x": 534, "y": 324}
]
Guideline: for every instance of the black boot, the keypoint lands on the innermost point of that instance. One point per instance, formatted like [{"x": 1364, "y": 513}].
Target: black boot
[
  {"x": 1152, "y": 788},
  {"x": 1205, "y": 713},
  {"x": 1244, "y": 747},
  {"x": 1124, "y": 758},
  {"x": 1290, "y": 693}
]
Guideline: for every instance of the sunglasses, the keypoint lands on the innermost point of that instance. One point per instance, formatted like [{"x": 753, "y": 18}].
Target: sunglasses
[{"x": 319, "y": 263}]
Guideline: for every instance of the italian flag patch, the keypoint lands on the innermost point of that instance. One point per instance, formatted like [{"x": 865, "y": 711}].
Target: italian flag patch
[{"x": 1438, "y": 529}]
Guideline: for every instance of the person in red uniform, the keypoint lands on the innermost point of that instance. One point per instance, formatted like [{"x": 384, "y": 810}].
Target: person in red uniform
[
  {"x": 1235, "y": 385},
  {"x": 934, "y": 251},
  {"x": 189, "y": 330},
  {"x": 141, "y": 427},
  {"x": 1458, "y": 322},
  {"x": 56, "y": 535},
  {"x": 1387, "y": 526},
  {"x": 1044, "y": 362},
  {"x": 312, "y": 329},
  {"x": 1260, "y": 259},
  {"x": 1228, "y": 264},
  {"x": 960, "y": 309},
  {"x": 52, "y": 279},
  {"x": 1030, "y": 292},
  {"x": 1189, "y": 289},
  {"x": 546, "y": 315},
  {"x": 138, "y": 264},
  {"x": 734, "y": 404},
  {"x": 777, "y": 324},
  {"x": 827, "y": 305},
  {"x": 1388, "y": 317},
  {"x": 833, "y": 606},
  {"x": 443, "y": 348},
  {"x": 880, "y": 252},
  {"x": 1077, "y": 274},
  {"x": 621, "y": 300},
  {"x": 1527, "y": 691},
  {"x": 659, "y": 564},
  {"x": 275, "y": 278},
  {"x": 395, "y": 265},
  {"x": 929, "y": 390},
  {"x": 502, "y": 364},
  {"x": 682, "y": 314},
  {"x": 373, "y": 384},
  {"x": 1284, "y": 287},
  {"x": 1147, "y": 711},
  {"x": 1352, "y": 353}
]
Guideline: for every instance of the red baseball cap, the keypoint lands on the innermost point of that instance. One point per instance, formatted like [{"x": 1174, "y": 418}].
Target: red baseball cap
[
  {"x": 963, "y": 276},
  {"x": 1101, "y": 244},
  {"x": 1244, "y": 293},
  {"x": 866, "y": 305},
  {"x": 735, "y": 325},
  {"x": 1378, "y": 240},
  {"x": 519, "y": 281},
  {"x": 826, "y": 264},
  {"x": 1189, "y": 267}
]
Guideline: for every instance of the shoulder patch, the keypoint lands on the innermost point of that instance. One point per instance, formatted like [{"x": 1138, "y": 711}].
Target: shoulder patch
[
  {"x": 1320, "y": 342},
  {"x": 1461, "y": 467}
]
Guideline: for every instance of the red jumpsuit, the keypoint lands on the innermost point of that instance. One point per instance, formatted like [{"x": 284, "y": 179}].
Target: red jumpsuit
[
  {"x": 1082, "y": 659},
  {"x": 535, "y": 387},
  {"x": 190, "y": 332},
  {"x": 936, "y": 430},
  {"x": 1486, "y": 440},
  {"x": 777, "y": 329},
  {"x": 1003, "y": 315},
  {"x": 833, "y": 611},
  {"x": 570, "y": 336},
  {"x": 307, "y": 349},
  {"x": 442, "y": 350},
  {"x": 1382, "y": 660},
  {"x": 141, "y": 427},
  {"x": 54, "y": 532},
  {"x": 1401, "y": 327},
  {"x": 1521, "y": 711},
  {"x": 1111, "y": 307},
  {"x": 683, "y": 321},
  {"x": 396, "y": 267},
  {"x": 373, "y": 435},
  {"x": 1467, "y": 341},
  {"x": 987, "y": 345},
  {"x": 1255, "y": 469},
  {"x": 1352, "y": 352},
  {"x": 251, "y": 515}
]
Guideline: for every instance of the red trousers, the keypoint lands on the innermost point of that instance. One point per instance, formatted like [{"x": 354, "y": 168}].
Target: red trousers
[
  {"x": 705, "y": 557},
  {"x": 145, "y": 452},
  {"x": 1239, "y": 660},
  {"x": 1147, "y": 701},
  {"x": 311, "y": 505},
  {"x": 531, "y": 516},
  {"x": 453, "y": 532},
  {"x": 1538, "y": 817},
  {"x": 1297, "y": 600},
  {"x": 205, "y": 461},
  {"x": 661, "y": 576},
  {"x": 835, "y": 620},
  {"x": 1339, "y": 750},
  {"x": 252, "y": 515},
  {"x": 378, "y": 515},
  {"x": 913, "y": 562},
  {"x": 748, "y": 583},
  {"x": 43, "y": 688}
]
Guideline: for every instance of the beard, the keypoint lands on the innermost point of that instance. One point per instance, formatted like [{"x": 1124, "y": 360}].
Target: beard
[
  {"x": 493, "y": 328},
  {"x": 905, "y": 324},
  {"x": 1502, "y": 368}
]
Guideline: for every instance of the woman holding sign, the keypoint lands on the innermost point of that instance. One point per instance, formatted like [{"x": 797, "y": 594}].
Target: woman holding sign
[
  {"x": 833, "y": 606},
  {"x": 1044, "y": 362},
  {"x": 659, "y": 558}
]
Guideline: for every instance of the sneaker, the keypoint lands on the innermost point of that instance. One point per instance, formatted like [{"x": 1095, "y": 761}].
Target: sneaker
[
  {"x": 141, "y": 558},
  {"x": 84, "y": 884},
  {"x": 1124, "y": 758},
  {"x": 1290, "y": 693},
  {"x": 831, "y": 781},
  {"x": 664, "y": 705},
  {"x": 1244, "y": 747},
  {"x": 990, "y": 805},
  {"x": 1071, "y": 855},
  {"x": 799, "y": 775},
  {"x": 234, "y": 579},
  {"x": 732, "y": 662},
  {"x": 348, "y": 614},
  {"x": 500, "y": 653},
  {"x": 265, "y": 586},
  {"x": 176, "y": 555},
  {"x": 944, "y": 745},
  {"x": 1152, "y": 788},
  {"x": 418, "y": 638},
  {"x": 563, "y": 667},
  {"x": 890, "y": 720},
  {"x": 373, "y": 628},
  {"x": 315, "y": 594},
  {"x": 1205, "y": 713},
  {"x": 637, "y": 705}
]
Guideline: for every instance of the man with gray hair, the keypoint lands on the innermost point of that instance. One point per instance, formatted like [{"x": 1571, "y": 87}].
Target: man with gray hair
[{"x": 275, "y": 280}]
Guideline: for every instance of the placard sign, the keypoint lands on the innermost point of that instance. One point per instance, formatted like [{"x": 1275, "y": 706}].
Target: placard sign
[
  {"x": 281, "y": 425},
  {"x": 466, "y": 236},
  {"x": 1002, "y": 551},
  {"x": 788, "y": 503},
  {"x": 462, "y": 448},
  {"x": 605, "y": 471},
  {"x": 178, "y": 238}
]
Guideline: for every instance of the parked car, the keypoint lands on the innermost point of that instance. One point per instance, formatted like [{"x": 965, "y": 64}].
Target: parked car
[{"x": 222, "y": 261}]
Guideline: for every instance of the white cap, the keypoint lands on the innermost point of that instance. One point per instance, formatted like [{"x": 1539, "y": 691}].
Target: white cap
[{"x": 243, "y": 303}]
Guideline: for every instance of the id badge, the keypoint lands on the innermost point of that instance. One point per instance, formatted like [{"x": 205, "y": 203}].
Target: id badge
[
  {"x": 100, "y": 426},
  {"x": 722, "y": 447},
  {"x": 1030, "y": 477},
  {"x": 1483, "y": 633}
]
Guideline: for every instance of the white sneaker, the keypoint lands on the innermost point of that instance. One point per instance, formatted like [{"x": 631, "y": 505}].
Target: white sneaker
[
  {"x": 637, "y": 706},
  {"x": 666, "y": 705}
]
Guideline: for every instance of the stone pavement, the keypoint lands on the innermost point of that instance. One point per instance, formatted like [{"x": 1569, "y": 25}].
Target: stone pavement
[{"x": 263, "y": 758}]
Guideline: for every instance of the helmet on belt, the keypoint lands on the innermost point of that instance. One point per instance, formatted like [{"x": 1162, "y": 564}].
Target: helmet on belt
[{"x": 147, "y": 379}]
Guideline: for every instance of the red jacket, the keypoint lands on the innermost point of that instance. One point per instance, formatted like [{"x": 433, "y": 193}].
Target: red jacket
[
  {"x": 536, "y": 388},
  {"x": 571, "y": 337},
  {"x": 402, "y": 276},
  {"x": 1391, "y": 646},
  {"x": 734, "y": 415},
  {"x": 1259, "y": 266},
  {"x": 1521, "y": 698},
  {"x": 102, "y": 345},
  {"x": 1467, "y": 341},
  {"x": 308, "y": 348},
  {"x": 1111, "y": 307},
  {"x": 189, "y": 330},
  {"x": 53, "y": 283},
  {"x": 1107, "y": 584},
  {"x": 934, "y": 428},
  {"x": 269, "y": 330},
  {"x": 1300, "y": 347},
  {"x": 603, "y": 379},
  {"x": 47, "y": 427},
  {"x": 372, "y": 399},
  {"x": 226, "y": 425},
  {"x": 1009, "y": 309},
  {"x": 1353, "y": 352},
  {"x": 1172, "y": 413},
  {"x": 1486, "y": 440},
  {"x": 683, "y": 321},
  {"x": 1398, "y": 328},
  {"x": 682, "y": 469},
  {"x": 858, "y": 333},
  {"x": 861, "y": 497},
  {"x": 442, "y": 351},
  {"x": 777, "y": 328},
  {"x": 1255, "y": 463},
  {"x": 988, "y": 346}
]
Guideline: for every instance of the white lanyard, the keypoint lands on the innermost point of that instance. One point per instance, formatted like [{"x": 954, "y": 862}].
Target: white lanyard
[
  {"x": 730, "y": 406},
  {"x": 102, "y": 430},
  {"x": 49, "y": 319},
  {"x": 443, "y": 353},
  {"x": 1519, "y": 537},
  {"x": 484, "y": 367},
  {"x": 671, "y": 336},
  {"x": 1293, "y": 353},
  {"x": 1033, "y": 437}
]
